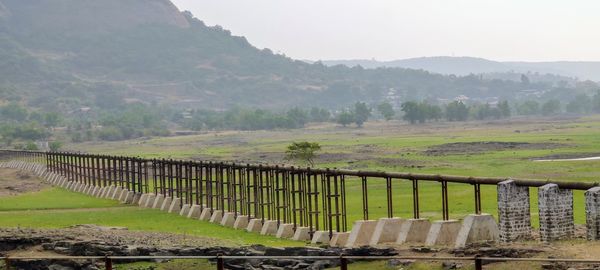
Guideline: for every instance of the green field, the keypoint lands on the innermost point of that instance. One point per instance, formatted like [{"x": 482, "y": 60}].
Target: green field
[{"x": 401, "y": 147}]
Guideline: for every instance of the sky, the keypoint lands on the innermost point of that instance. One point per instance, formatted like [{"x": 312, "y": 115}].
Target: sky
[{"x": 503, "y": 30}]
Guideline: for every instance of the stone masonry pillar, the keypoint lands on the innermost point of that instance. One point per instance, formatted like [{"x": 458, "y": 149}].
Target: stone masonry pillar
[
  {"x": 514, "y": 214},
  {"x": 592, "y": 213},
  {"x": 556, "y": 212}
]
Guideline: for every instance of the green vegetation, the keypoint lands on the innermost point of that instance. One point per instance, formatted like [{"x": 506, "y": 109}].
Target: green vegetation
[
  {"x": 52, "y": 198},
  {"x": 304, "y": 152}
]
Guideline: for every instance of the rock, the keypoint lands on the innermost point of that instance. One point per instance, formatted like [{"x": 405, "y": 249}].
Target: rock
[{"x": 396, "y": 262}]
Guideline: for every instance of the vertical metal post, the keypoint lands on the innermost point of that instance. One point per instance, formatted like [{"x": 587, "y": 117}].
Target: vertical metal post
[
  {"x": 477, "y": 188},
  {"x": 415, "y": 185},
  {"x": 108, "y": 263},
  {"x": 220, "y": 262},
  {"x": 445, "y": 200},
  {"x": 343, "y": 263},
  {"x": 390, "y": 205},
  {"x": 478, "y": 263}
]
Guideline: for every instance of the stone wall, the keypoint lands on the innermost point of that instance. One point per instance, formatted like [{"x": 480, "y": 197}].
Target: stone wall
[
  {"x": 514, "y": 215},
  {"x": 592, "y": 213},
  {"x": 556, "y": 213}
]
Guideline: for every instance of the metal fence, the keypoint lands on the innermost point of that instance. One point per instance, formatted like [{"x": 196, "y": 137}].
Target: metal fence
[{"x": 304, "y": 197}]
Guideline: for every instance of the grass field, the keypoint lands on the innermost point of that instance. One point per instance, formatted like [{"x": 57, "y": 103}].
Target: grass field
[{"x": 400, "y": 147}]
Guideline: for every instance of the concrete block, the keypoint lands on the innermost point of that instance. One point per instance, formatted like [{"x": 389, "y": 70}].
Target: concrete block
[
  {"x": 241, "y": 222},
  {"x": 128, "y": 197},
  {"x": 206, "y": 214},
  {"x": 269, "y": 227},
  {"x": 320, "y": 237},
  {"x": 143, "y": 200},
  {"x": 443, "y": 232},
  {"x": 158, "y": 201},
  {"x": 477, "y": 228},
  {"x": 123, "y": 195},
  {"x": 185, "y": 209},
  {"x": 166, "y": 204},
  {"x": 175, "y": 205},
  {"x": 413, "y": 231},
  {"x": 116, "y": 193},
  {"x": 255, "y": 225},
  {"x": 136, "y": 198},
  {"x": 555, "y": 207},
  {"x": 285, "y": 231},
  {"x": 386, "y": 231},
  {"x": 592, "y": 213},
  {"x": 514, "y": 216},
  {"x": 195, "y": 211},
  {"x": 228, "y": 219},
  {"x": 104, "y": 192},
  {"x": 339, "y": 239},
  {"x": 217, "y": 216},
  {"x": 361, "y": 234},
  {"x": 109, "y": 192},
  {"x": 149, "y": 200},
  {"x": 302, "y": 234}
]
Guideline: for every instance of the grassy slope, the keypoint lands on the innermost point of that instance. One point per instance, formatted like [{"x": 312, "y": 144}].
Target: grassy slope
[{"x": 398, "y": 147}]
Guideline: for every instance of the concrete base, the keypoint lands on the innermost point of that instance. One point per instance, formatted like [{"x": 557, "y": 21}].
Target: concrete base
[
  {"x": 185, "y": 209},
  {"x": 100, "y": 192},
  {"x": 269, "y": 227},
  {"x": 477, "y": 228},
  {"x": 166, "y": 204},
  {"x": 206, "y": 214},
  {"x": 285, "y": 231},
  {"x": 143, "y": 200},
  {"x": 136, "y": 198},
  {"x": 194, "y": 212},
  {"x": 361, "y": 233},
  {"x": 413, "y": 231},
  {"x": 128, "y": 197},
  {"x": 241, "y": 222},
  {"x": 386, "y": 231},
  {"x": 254, "y": 225},
  {"x": 123, "y": 194},
  {"x": 302, "y": 234},
  {"x": 320, "y": 237},
  {"x": 116, "y": 193},
  {"x": 149, "y": 200},
  {"x": 228, "y": 219},
  {"x": 216, "y": 217},
  {"x": 158, "y": 201},
  {"x": 109, "y": 192},
  {"x": 339, "y": 239},
  {"x": 175, "y": 206},
  {"x": 443, "y": 233}
]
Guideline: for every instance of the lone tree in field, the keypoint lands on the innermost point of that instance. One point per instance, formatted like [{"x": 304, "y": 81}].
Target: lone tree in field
[{"x": 303, "y": 151}]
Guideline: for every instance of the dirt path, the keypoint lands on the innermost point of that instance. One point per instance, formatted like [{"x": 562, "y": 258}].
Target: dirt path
[{"x": 15, "y": 182}]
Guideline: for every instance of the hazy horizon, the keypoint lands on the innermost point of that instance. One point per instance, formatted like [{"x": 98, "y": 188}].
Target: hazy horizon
[{"x": 386, "y": 30}]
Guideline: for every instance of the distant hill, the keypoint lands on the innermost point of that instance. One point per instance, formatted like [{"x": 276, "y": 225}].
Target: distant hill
[
  {"x": 471, "y": 65},
  {"x": 67, "y": 54}
]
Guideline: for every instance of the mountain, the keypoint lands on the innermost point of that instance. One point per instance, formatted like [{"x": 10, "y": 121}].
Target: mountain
[
  {"x": 67, "y": 54},
  {"x": 470, "y": 65}
]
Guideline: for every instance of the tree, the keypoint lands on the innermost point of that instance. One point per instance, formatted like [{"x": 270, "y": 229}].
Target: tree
[
  {"x": 504, "y": 109},
  {"x": 55, "y": 146},
  {"x": 551, "y": 107},
  {"x": 457, "y": 111},
  {"x": 298, "y": 117},
  {"x": 530, "y": 107},
  {"x": 14, "y": 111},
  {"x": 581, "y": 104},
  {"x": 319, "y": 114},
  {"x": 412, "y": 112},
  {"x": 361, "y": 113},
  {"x": 303, "y": 151},
  {"x": 345, "y": 118},
  {"x": 386, "y": 110}
]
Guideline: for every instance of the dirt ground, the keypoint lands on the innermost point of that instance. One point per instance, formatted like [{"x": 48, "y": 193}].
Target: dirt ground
[
  {"x": 482, "y": 147},
  {"x": 14, "y": 182}
]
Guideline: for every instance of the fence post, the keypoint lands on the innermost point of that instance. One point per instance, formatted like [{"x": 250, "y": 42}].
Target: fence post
[
  {"x": 220, "y": 262},
  {"x": 108, "y": 263},
  {"x": 478, "y": 263},
  {"x": 343, "y": 263},
  {"x": 7, "y": 263}
]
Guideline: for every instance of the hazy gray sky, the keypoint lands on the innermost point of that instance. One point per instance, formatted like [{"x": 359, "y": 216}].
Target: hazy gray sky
[{"x": 533, "y": 30}]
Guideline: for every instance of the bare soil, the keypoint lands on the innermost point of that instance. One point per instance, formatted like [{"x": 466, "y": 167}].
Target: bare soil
[
  {"x": 482, "y": 147},
  {"x": 15, "y": 182}
]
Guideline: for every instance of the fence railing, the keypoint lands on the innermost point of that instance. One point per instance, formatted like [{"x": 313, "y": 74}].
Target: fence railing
[{"x": 305, "y": 197}]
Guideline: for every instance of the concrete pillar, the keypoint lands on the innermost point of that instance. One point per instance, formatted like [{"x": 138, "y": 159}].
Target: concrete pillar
[
  {"x": 514, "y": 216},
  {"x": 129, "y": 197},
  {"x": 413, "y": 231},
  {"x": 143, "y": 200},
  {"x": 185, "y": 209},
  {"x": 117, "y": 193},
  {"x": 443, "y": 232},
  {"x": 175, "y": 205},
  {"x": 136, "y": 198},
  {"x": 166, "y": 204},
  {"x": 194, "y": 212},
  {"x": 556, "y": 213},
  {"x": 339, "y": 239},
  {"x": 158, "y": 201},
  {"x": 386, "y": 231},
  {"x": 477, "y": 228},
  {"x": 216, "y": 217},
  {"x": 101, "y": 192},
  {"x": 285, "y": 231},
  {"x": 592, "y": 213},
  {"x": 361, "y": 234},
  {"x": 320, "y": 237},
  {"x": 254, "y": 225},
  {"x": 302, "y": 234},
  {"x": 123, "y": 195},
  {"x": 228, "y": 219},
  {"x": 206, "y": 214},
  {"x": 241, "y": 222},
  {"x": 269, "y": 227},
  {"x": 149, "y": 200}
]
